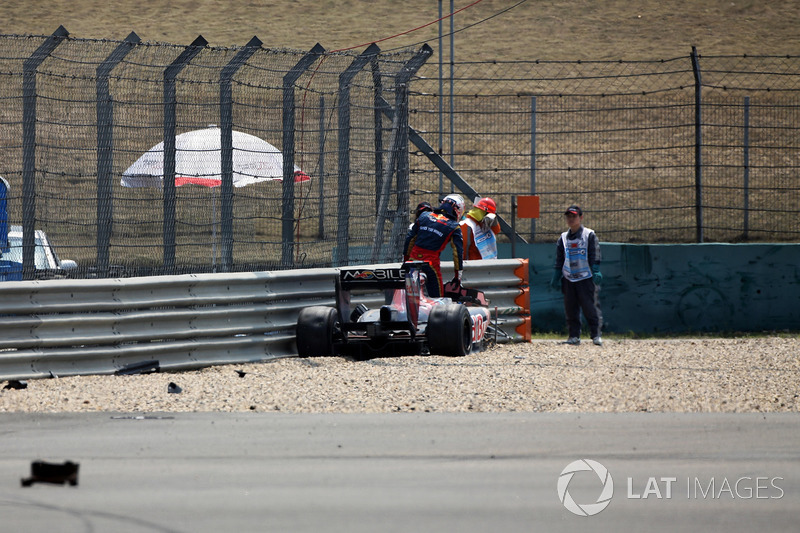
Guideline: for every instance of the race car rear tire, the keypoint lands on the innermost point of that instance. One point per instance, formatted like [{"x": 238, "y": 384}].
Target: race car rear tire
[
  {"x": 316, "y": 327},
  {"x": 449, "y": 330}
]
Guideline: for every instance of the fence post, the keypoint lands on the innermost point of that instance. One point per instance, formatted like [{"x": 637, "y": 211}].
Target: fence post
[
  {"x": 105, "y": 151},
  {"x": 170, "y": 124},
  {"x": 402, "y": 81},
  {"x": 746, "y": 166},
  {"x": 513, "y": 225},
  {"x": 377, "y": 85},
  {"x": 452, "y": 90},
  {"x": 398, "y": 160},
  {"x": 226, "y": 149},
  {"x": 3, "y": 219},
  {"x": 29, "y": 148},
  {"x": 440, "y": 97},
  {"x": 287, "y": 224},
  {"x": 321, "y": 168},
  {"x": 533, "y": 161},
  {"x": 698, "y": 145},
  {"x": 345, "y": 78}
]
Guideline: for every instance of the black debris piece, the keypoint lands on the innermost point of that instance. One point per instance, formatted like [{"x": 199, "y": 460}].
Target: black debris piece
[
  {"x": 172, "y": 388},
  {"x": 16, "y": 384},
  {"x": 55, "y": 473},
  {"x": 241, "y": 373}
]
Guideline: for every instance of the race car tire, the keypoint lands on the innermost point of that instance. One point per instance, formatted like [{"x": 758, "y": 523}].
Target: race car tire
[
  {"x": 449, "y": 330},
  {"x": 316, "y": 327}
]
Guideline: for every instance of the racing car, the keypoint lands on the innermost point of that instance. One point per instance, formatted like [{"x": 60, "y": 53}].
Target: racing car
[{"x": 408, "y": 321}]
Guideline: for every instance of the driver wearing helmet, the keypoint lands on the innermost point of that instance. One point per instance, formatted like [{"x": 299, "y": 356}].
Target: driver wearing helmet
[
  {"x": 429, "y": 235},
  {"x": 479, "y": 228},
  {"x": 422, "y": 207}
]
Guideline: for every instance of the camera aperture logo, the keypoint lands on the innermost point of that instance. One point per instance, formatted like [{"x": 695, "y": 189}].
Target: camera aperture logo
[{"x": 585, "y": 509}]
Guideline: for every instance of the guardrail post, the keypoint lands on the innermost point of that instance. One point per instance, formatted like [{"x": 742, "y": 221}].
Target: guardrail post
[
  {"x": 287, "y": 218},
  {"x": 170, "y": 124},
  {"x": 29, "y": 148},
  {"x": 698, "y": 144},
  {"x": 345, "y": 78},
  {"x": 105, "y": 150},
  {"x": 226, "y": 148}
]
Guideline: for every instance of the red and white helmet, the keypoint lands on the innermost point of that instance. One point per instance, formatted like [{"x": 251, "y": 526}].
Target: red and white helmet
[
  {"x": 453, "y": 203},
  {"x": 486, "y": 204}
]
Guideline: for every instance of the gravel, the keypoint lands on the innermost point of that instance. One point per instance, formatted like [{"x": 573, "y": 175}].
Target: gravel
[{"x": 686, "y": 375}]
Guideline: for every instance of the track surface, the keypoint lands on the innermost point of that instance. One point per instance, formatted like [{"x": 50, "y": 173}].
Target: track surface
[{"x": 465, "y": 472}]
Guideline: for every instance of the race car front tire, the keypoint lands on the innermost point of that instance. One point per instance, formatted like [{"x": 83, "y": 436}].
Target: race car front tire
[
  {"x": 449, "y": 330},
  {"x": 316, "y": 327}
]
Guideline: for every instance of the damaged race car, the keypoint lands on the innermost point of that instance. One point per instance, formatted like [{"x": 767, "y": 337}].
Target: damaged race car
[{"x": 408, "y": 321}]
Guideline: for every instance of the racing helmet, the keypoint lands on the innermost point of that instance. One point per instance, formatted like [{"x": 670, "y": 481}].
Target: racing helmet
[
  {"x": 486, "y": 204},
  {"x": 421, "y": 208},
  {"x": 453, "y": 203}
]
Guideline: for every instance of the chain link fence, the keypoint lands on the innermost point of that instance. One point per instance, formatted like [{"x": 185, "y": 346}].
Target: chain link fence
[
  {"x": 691, "y": 149},
  {"x": 77, "y": 113}
]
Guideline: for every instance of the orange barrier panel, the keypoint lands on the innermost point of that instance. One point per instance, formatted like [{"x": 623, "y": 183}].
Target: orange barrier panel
[
  {"x": 524, "y": 299},
  {"x": 522, "y": 271},
  {"x": 524, "y": 329}
]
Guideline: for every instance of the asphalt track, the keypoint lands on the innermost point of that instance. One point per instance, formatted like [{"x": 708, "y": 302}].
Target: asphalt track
[{"x": 197, "y": 472}]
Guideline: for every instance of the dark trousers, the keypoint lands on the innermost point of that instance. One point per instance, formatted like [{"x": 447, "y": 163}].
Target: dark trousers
[{"x": 581, "y": 296}]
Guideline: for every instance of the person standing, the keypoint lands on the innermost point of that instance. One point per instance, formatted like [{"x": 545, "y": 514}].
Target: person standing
[
  {"x": 479, "y": 229},
  {"x": 429, "y": 235},
  {"x": 577, "y": 274}
]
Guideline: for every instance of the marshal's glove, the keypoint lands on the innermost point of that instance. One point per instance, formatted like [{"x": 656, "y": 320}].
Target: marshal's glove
[
  {"x": 597, "y": 276},
  {"x": 488, "y": 221},
  {"x": 555, "y": 281}
]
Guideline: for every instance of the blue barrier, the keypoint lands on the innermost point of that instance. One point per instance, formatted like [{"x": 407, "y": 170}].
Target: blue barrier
[{"x": 676, "y": 288}]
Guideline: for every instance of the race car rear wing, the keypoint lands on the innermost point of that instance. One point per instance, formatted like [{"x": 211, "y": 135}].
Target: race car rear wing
[
  {"x": 372, "y": 278},
  {"x": 377, "y": 279}
]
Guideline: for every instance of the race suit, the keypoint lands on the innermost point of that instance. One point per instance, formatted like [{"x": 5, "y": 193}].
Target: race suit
[{"x": 425, "y": 241}]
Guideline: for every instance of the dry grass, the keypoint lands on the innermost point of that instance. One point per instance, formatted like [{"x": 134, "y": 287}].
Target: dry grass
[{"x": 561, "y": 29}]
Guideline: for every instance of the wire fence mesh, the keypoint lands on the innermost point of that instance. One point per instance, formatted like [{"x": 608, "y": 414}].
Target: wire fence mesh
[
  {"x": 68, "y": 144},
  {"x": 626, "y": 140},
  {"x": 679, "y": 150}
]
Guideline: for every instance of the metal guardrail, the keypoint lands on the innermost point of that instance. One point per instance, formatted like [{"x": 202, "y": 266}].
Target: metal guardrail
[{"x": 75, "y": 327}]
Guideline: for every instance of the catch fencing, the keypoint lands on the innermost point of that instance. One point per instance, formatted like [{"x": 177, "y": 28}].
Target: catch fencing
[
  {"x": 73, "y": 327},
  {"x": 77, "y": 113},
  {"x": 690, "y": 149}
]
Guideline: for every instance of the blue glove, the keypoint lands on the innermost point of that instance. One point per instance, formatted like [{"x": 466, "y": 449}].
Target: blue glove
[
  {"x": 597, "y": 276},
  {"x": 555, "y": 281}
]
